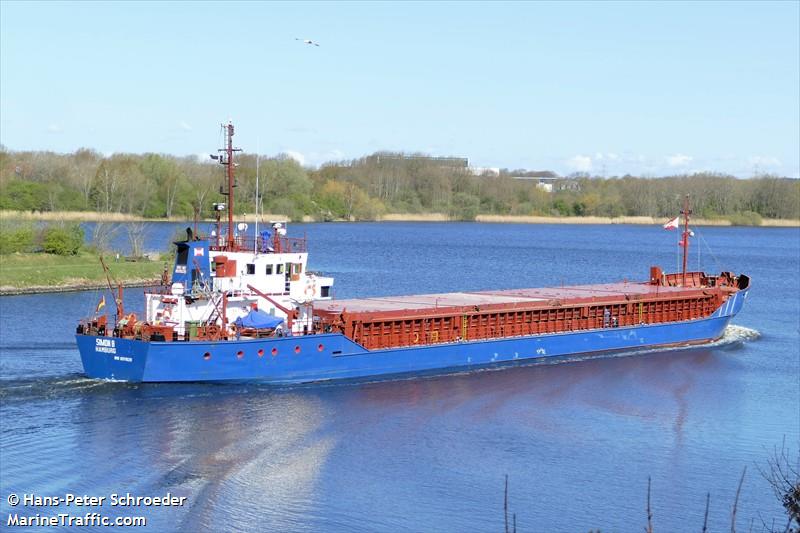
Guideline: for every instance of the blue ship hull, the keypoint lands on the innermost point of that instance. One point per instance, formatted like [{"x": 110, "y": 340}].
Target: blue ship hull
[{"x": 327, "y": 357}]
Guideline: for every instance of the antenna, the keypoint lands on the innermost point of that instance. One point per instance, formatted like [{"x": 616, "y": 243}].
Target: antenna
[
  {"x": 227, "y": 160},
  {"x": 258, "y": 198}
]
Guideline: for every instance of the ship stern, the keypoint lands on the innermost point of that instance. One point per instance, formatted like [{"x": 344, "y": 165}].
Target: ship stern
[{"x": 112, "y": 358}]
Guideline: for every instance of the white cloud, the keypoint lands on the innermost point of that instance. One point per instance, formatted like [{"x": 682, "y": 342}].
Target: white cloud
[
  {"x": 184, "y": 126},
  {"x": 679, "y": 160},
  {"x": 606, "y": 156},
  {"x": 581, "y": 163},
  {"x": 764, "y": 161},
  {"x": 315, "y": 159},
  {"x": 55, "y": 128},
  {"x": 335, "y": 155},
  {"x": 297, "y": 156}
]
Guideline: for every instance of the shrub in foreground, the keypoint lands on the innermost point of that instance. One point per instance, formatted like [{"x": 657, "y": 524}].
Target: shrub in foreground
[
  {"x": 16, "y": 239},
  {"x": 62, "y": 240}
]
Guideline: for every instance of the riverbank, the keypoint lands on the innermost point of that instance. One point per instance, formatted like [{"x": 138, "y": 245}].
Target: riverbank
[
  {"x": 648, "y": 221},
  {"x": 32, "y": 273},
  {"x": 83, "y": 286},
  {"x": 92, "y": 216}
]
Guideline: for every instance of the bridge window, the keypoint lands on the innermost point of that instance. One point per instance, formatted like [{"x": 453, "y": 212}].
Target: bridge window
[
  {"x": 269, "y": 270},
  {"x": 325, "y": 291},
  {"x": 183, "y": 255},
  {"x": 251, "y": 268},
  {"x": 279, "y": 269}
]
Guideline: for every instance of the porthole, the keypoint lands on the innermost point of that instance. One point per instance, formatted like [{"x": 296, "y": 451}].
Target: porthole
[
  {"x": 239, "y": 354},
  {"x": 320, "y": 348},
  {"x": 274, "y": 351},
  {"x": 296, "y": 349},
  {"x": 207, "y": 356},
  {"x": 261, "y": 352}
]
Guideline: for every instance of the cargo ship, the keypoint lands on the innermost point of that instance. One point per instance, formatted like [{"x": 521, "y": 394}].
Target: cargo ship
[{"x": 242, "y": 306}]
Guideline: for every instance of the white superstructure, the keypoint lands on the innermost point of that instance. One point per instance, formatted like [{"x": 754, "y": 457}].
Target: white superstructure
[{"x": 226, "y": 285}]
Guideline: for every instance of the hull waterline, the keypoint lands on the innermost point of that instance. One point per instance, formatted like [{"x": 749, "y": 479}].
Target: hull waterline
[{"x": 327, "y": 357}]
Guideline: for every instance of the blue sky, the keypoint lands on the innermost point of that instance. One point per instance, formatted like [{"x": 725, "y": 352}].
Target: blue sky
[{"x": 608, "y": 88}]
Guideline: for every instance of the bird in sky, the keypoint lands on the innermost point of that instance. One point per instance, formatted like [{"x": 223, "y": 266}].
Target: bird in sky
[{"x": 306, "y": 41}]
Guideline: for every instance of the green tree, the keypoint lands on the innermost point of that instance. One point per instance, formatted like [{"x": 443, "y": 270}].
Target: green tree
[
  {"x": 23, "y": 195},
  {"x": 465, "y": 206}
]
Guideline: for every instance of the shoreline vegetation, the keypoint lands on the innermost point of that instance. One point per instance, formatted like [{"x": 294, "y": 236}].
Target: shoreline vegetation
[
  {"x": 44, "y": 196},
  {"x": 386, "y": 186},
  {"x": 96, "y": 216},
  {"x": 54, "y": 257}
]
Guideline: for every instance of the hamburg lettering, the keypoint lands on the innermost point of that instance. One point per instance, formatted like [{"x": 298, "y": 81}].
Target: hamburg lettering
[{"x": 105, "y": 346}]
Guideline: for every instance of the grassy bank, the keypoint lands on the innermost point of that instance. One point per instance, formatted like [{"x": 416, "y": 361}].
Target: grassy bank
[
  {"x": 521, "y": 219},
  {"x": 91, "y": 216},
  {"x": 782, "y": 223},
  {"x": 31, "y": 272}
]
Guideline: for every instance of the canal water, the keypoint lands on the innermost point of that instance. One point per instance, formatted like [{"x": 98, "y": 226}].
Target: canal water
[{"x": 578, "y": 440}]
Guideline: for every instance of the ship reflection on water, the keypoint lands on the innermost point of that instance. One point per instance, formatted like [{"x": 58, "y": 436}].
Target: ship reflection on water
[
  {"x": 210, "y": 443},
  {"x": 653, "y": 387}
]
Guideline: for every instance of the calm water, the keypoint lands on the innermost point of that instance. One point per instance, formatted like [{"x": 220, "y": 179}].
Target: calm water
[{"x": 578, "y": 439}]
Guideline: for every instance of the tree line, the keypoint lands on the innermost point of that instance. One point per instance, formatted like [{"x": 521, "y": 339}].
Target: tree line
[{"x": 158, "y": 185}]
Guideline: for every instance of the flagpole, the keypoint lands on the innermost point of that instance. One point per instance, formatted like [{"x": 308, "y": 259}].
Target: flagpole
[
  {"x": 685, "y": 243},
  {"x": 258, "y": 199}
]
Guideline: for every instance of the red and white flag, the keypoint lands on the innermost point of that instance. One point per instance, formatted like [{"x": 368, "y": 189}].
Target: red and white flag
[{"x": 672, "y": 224}]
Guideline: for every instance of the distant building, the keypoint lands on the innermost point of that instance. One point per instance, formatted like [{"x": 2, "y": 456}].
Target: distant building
[
  {"x": 551, "y": 183},
  {"x": 544, "y": 183},
  {"x": 568, "y": 185},
  {"x": 448, "y": 162}
]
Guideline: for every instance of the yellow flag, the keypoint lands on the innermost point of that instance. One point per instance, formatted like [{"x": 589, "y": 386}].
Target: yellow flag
[{"x": 102, "y": 304}]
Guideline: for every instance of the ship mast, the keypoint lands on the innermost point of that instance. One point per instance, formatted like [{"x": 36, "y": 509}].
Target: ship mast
[
  {"x": 227, "y": 160},
  {"x": 685, "y": 242}
]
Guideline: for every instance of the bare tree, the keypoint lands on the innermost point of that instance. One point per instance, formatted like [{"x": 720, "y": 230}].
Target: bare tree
[
  {"x": 136, "y": 234},
  {"x": 84, "y": 170},
  {"x": 783, "y": 475},
  {"x": 102, "y": 234}
]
